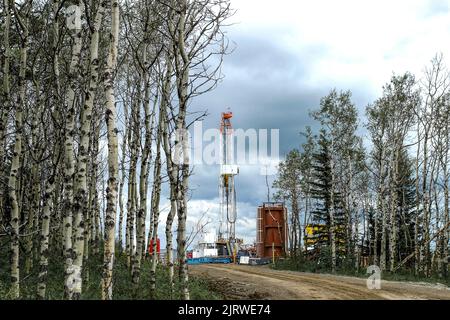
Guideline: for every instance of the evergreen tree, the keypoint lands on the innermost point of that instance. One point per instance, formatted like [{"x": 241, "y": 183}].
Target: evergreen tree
[
  {"x": 406, "y": 206},
  {"x": 338, "y": 116},
  {"x": 323, "y": 192}
]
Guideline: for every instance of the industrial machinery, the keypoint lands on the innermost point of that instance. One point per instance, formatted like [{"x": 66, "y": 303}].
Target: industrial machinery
[
  {"x": 271, "y": 230},
  {"x": 311, "y": 233},
  {"x": 317, "y": 235},
  {"x": 227, "y": 191},
  {"x": 208, "y": 250},
  {"x": 226, "y": 246}
]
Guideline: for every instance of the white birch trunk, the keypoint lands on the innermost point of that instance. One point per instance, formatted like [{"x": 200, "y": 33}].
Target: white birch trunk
[
  {"x": 44, "y": 241},
  {"x": 15, "y": 166},
  {"x": 122, "y": 180},
  {"x": 111, "y": 121},
  {"x": 80, "y": 199},
  {"x": 332, "y": 211},
  {"x": 173, "y": 174},
  {"x": 181, "y": 144},
  {"x": 156, "y": 194},
  {"x": 71, "y": 271},
  {"x": 6, "y": 98}
]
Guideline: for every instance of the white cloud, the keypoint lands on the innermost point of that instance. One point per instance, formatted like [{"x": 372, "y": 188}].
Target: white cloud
[{"x": 364, "y": 40}]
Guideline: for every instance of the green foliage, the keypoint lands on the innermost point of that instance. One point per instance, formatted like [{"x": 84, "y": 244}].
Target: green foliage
[
  {"x": 4, "y": 292},
  {"x": 122, "y": 290},
  {"x": 304, "y": 265},
  {"x": 288, "y": 184},
  {"x": 300, "y": 263},
  {"x": 288, "y": 179},
  {"x": 338, "y": 175},
  {"x": 324, "y": 193},
  {"x": 406, "y": 206}
]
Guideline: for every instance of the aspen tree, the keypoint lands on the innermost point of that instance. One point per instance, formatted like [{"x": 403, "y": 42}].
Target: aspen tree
[
  {"x": 134, "y": 156},
  {"x": 93, "y": 193},
  {"x": 15, "y": 162},
  {"x": 170, "y": 165},
  {"x": 45, "y": 230},
  {"x": 390, "y": 121},
  {"x": 435, "y": 87},
  {"x": 403, "y": 105},
  {"x": 156, "y": 194},
  {"x": 35, "y": 189},
  {"x": 90, "y": 120},
  {"x": 143, "y": 179},
  {"x": 133, "y": 214},
  {"x": 145, "y": 68},
  {"x": 56, "y": 219},
  {"x": 332, "y": 212},
  {"x": 191, "y": 53},
  {"x": 129, "y": 192},
  {"x": 288, "y": 184},
  {"x": 424, "y": 198},
  {"x": 61, "y": 204},
  {"x": 87, "y": 227},
  {"x": 417, "y": 198},
  {"x": 72, "y": 283},
  {"x": 134, "y": 143},
  {"x": 306, "y": 169},
  {"x": 43, "y": 263},
  {"x": 111, "y": 122},
  {"x": 446, "y": 177},
  {"x": 80, "y": 199},
  {"x": 6, "y": 97},
  {"x": 172, "y": 169},
  {"x": 122, "y": 179},
  {"x": 182, "y": 74}
]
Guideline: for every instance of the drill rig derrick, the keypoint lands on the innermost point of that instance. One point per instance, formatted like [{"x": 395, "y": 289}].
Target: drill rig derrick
[{"x": 227, "y": 228}]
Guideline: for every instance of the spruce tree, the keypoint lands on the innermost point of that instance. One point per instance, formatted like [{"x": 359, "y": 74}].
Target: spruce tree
[
  {"x": 322, "y": 192},
  {"x": 406, "y": 206}
]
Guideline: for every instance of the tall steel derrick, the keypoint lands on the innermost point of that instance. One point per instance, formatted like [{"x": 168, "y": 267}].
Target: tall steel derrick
[{"x": 227, "y": 191}]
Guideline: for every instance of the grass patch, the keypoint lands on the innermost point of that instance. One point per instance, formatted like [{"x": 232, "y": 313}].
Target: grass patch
[
  {"x": 302, "y": 265},
  {"x": 122, "y": 285}
]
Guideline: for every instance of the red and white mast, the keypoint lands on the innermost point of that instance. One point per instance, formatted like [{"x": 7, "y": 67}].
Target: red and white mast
[{"x": 227, "y": 189}]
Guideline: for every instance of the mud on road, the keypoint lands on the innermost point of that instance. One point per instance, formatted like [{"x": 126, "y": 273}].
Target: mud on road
[{"x": 238, "y": 282}]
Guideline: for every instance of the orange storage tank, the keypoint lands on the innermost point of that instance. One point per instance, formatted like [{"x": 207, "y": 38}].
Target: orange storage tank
[{"x": 271, "y": 230}]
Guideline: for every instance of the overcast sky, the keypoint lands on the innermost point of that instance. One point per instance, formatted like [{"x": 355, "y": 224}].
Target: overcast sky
[{"x": 290, "y": 53}]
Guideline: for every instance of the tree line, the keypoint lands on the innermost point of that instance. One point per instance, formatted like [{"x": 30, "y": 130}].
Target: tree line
[
  {"x": 95, "y": 98},
  {"x": 375, "y": 193}
]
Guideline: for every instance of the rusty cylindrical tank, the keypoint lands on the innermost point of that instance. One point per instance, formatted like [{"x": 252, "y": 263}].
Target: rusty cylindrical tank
[{"x": 271, "y": 230}]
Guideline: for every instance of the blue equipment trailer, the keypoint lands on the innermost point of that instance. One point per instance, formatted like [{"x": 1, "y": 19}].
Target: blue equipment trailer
[{"x": 208, "y": 260}]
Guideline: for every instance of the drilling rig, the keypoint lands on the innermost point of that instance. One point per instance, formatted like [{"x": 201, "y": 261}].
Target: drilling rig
[
  {"x": 227, "y": 247},
  {"x": 227, "y": 191}
]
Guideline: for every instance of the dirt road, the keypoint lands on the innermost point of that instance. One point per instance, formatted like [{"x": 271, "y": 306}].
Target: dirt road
[{"x": 261, "y": 282}]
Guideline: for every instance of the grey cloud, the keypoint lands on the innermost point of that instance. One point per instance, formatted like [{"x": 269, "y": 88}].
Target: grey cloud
[
  {"x": 266, "y": 86},
  {"x": 262, "y": 85},
  {"x": 250, "y": 186}
]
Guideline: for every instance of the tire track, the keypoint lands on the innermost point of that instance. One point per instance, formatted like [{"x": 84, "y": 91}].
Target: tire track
[
  {"x": 280, "y": 284},
  {"x": 331, "y": 289}
]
